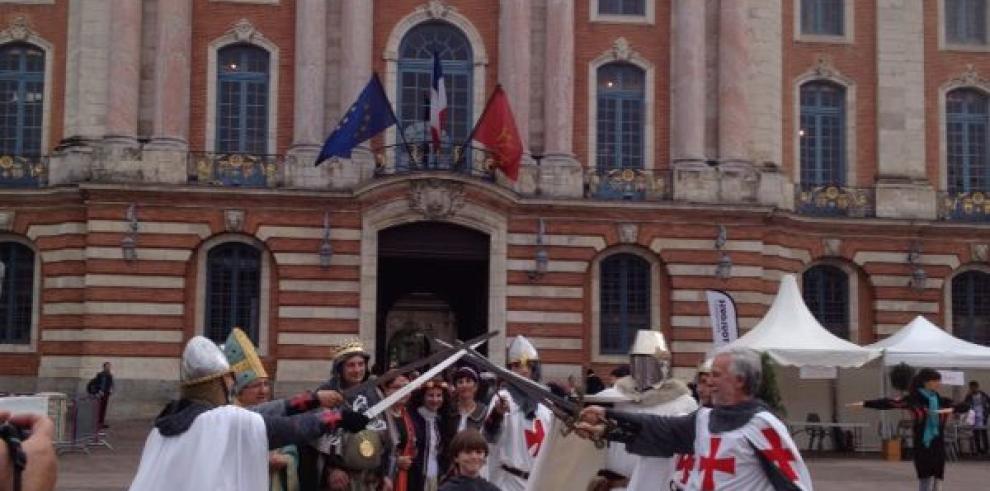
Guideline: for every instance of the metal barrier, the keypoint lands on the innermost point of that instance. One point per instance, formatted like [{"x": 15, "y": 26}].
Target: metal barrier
[{"x": 84, "y": 421}]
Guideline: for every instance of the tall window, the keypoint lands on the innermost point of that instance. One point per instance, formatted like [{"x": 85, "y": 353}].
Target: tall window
[
  {"x": 416, "y": 76},
  {"x": 966, "y": 141},
  {"x": 242, "y": 102},
  {"x": 822, "y": 17},
  {"x": 971, "y": 307},
  {"x": 22, "y": 88},
  {"x": 966, "y": 21},
  {"x": 233, "y": 291},
  {"x": 823, "y": 134},
  {"x": 621, "y": 116},
  {"x": 826, "y": 292},
  {"x": 17, "y": 297},
  {"x": 622, "y": 7},
  {"x": 625, "y": 302}
]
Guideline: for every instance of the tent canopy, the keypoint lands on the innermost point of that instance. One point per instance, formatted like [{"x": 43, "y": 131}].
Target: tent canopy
[
  {"x": 922, "y": 343},
  {"x": 791, "y": 335}
]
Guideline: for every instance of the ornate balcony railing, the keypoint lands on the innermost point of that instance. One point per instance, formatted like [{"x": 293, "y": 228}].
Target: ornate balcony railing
[
  {"x": 235, "y": 169},
  {"x": 628, "y": 184},
  {"x": 835, "y": 201},
  {"x": 23, "y": 171},
  {"x": 422, "y": 156},
  {"x": 965, "y": 207}
]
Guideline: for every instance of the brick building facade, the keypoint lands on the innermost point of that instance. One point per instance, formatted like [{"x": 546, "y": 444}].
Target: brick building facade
[{"x": 841, "y": 141}]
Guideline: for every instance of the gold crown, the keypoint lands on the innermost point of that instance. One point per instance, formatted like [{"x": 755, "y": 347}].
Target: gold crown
[{"x": 350, "y": 347}]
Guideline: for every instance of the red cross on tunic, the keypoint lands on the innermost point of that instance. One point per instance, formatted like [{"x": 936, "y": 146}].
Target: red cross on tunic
[
  {"x": 685, "y": 464},
  {"x": 710, "y": 464},
  {"x": 780, "y": 455},
  {"x": 534, "y": 438}
]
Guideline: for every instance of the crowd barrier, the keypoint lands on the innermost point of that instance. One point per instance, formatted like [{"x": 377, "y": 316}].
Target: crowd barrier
[{"x": 77, "y": 425}]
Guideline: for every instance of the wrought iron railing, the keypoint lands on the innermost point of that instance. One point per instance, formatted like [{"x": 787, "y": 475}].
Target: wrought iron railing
[
  {"x": 235, "y": 169},
  {"x": 420, "y": 156},
  {"x": 628, "y": 184},
  {"x": 832, "y": 200},
  {"x": 23, "y": 171},
  {"x": 966, "y": 207}
]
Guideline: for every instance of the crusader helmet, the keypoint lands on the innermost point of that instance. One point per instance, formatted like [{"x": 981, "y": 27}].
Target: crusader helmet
[
  {"x": 650, "y": 359},
  {"x": 523, "y": 352},
  {"x": 202, "y": 361}
]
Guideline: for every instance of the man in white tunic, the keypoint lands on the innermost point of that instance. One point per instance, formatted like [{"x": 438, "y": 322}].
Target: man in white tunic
[
  {"x": 202, "y": 442},
  {"x": 516, "y": 424},
  {"x": 647, "y": 390},
  {"x": 737, "y": 444}
]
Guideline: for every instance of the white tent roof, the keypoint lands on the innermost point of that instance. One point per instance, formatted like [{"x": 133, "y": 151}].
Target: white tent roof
[
  {"x": 792, "y": 336},
  {"x": 922, "y": 343}
]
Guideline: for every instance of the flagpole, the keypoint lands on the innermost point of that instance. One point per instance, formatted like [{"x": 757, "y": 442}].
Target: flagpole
[
  {"x": 481, "y": 118},
  {"x": 391, "y": 110}
]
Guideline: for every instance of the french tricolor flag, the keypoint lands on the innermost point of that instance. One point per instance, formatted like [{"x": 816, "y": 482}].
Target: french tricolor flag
[{"x": 438, "y": 103}]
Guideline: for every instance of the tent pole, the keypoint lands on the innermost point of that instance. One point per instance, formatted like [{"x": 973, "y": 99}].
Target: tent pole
[{"x": 884, "y": 433}]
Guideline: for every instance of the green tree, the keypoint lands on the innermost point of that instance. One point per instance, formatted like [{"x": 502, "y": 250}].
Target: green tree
[{"x": 769, "y": 392}]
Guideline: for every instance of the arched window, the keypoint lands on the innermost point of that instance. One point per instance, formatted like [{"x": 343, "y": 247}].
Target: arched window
[
  {"x": 625, "y": 302},
  {"x": 17, "y": 296},
  {"x": 621, "y": 117},
  {"x": 242, "y": 102},
  {"x": 971, "y": 307},
  {"x": 826, "y": 292},
  {"x": 823, "y": 134},
  {"x": 22, "y": 88},
  {"x": 966, "y": 141},
  {"x": 416, "y": 77},
  {"x": 233, "y": 291},
  {"x": 966, "y": 21}
]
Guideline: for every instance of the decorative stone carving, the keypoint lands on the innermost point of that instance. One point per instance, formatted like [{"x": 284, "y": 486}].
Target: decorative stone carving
[
  {"x": 831, "y": 246},
  {"x": 980, "y": 252},
  {"x": 6, "y": 220},
  {"x": 621, "y": 50},
  {"x": 233, "y": 220},
  {"x": 628, "y": 232},
  {"x": 18, "y": 30},
  {"x": 243, "y": 30},
  {"x": 824, "y": 67},
  {"x": 436, "y": 199},
  {"x": 437, "y": 9},
  {"x": 970, "y": 77}
]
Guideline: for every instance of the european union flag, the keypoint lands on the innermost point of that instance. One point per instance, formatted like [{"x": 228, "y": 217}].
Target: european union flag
[{"x": 367, "y": 117}]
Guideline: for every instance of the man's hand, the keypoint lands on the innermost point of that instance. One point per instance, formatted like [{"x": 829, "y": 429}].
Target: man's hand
[
  {"x": 39, "y": 475},
  {"x": 338, "y": 480},
  {"x": 591, "y": 423},
  {"x": 353, "y": 421},
  {"x": 502, "y": 406},
  {"x": 277, "y": 461},
  {"x": 329, "y": 398},
  {"x": 404, "y": 462}
]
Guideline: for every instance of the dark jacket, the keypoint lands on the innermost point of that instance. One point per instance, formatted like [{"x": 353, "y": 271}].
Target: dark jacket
[
  {"x": 917, "y": 406},
  {"x": 474, "y": 420},
  {"x": 462, "y": 483},
  {"x": 417, "y": 473}
]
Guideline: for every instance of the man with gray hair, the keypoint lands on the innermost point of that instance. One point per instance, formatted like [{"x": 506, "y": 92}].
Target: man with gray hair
[{"x": 737, "y": 444}]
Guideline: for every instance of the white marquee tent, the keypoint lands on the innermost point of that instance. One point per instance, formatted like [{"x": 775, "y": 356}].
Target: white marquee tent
[{"x": 922, "y": 343}]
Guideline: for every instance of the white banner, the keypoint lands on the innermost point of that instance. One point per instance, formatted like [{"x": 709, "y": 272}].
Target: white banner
[
  {"x": 722, "y": 310},
  {"x": 818, "y": 373},
  {"x": 952, "y": 377}
]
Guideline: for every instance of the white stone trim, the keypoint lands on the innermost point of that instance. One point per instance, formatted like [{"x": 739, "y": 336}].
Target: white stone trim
[
  {"x": 313, "y": 339},
  {"x": 435, "y": 11},
  {"x": 32, "y": 345},
  {"x": 305, "y": 312},
  {"x": 143, "y": 253},
  {"x": 738, "y": 271},
  {"x": 544, "y": 291},
  {"x": 56, "y": 282},
  {"x": 944, "y": 45},
  {"x": 556, "y": 343},
  {"x": 112, "y": 335},
  {"x": 661, "y": 244},
  {"x": 864, "y": 257},
  {"x": 947, "y": 291},
  {"x": 737, "y": 296},
  {"x": 124, "y": 367},
  {"x": 256, "y": 2},
  {"x": 824, "y": 71},
  {"x": 595, "y": 297},
  {"x": 786, "y": 252},
  {"x": 202, "y": 230},
  {"x": 848, "y": 28},
  {"x": 852, "y": 279},
  {"x": 63, "y": 308},
  {"x": 303, "y": 370},
  {"x": 896, "y": 281},
  {"x": 648, "y": 18},
  {"x": 704, "y": 321},
  {"x": 242, "y": 32},
  {"x": 541, "y": 317},
  {"x": 65, "y": 228},
  {"x": 29, "y": 2},
  {"x": 18, "y": 31},
  {"x": 906, "y": 306},
  {"x": 134, "y": 281},
  {"x": 595, "y": 242},
  {"x": 318, "y": 286},
  {"x": 968, "y": 79},
  {"x": 554, "y": 266},
  {"x": 266, "y": 232},
  {"x": 134, "y": 308},
  {"x": 57, "y": 255},
  {"x": 620, "y": 51},
  {"x": 264, "y": 298},
  {"x": 313, "y": 259}
]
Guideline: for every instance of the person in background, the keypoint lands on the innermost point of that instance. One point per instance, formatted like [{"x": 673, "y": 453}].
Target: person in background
[
  {"x": 103, "y": 383},
  {"x": 401, "y": 447},
  {"x": 431, "y": 406},
  {"x": 42, "y": 464},
  {"x": 616, "y": 373},
  {"x": 592, "y": 382},
  {"x": 466, "y": 412},
  {"x": 703, "y": 386},
  {"x": 470, "y": 452},
  {"x": 929, "y": 411},
  {"x": 979, "y": 403}
]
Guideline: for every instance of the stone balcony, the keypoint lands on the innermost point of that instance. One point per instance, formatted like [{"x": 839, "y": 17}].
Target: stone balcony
[
  {"x": 23, "y": 171},
  {"x": 235, "y": 170},
  {"x": 628, "y": 184},
  {"x": 964, "y": 207},
  {"x": 833, "y": 200}
]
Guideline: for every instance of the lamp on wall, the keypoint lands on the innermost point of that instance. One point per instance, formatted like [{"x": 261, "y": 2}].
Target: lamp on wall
[
  {"x": 541, "y": 258},
  {"x": 723, "y": 269},
  {"x": 128, "y": 245},
  {"x": 918, "y": 275},
  {"x": 326, "y": 250}
]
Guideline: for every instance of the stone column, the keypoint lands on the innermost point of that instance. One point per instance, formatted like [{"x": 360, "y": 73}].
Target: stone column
[
  {"x": 733, "y": 65},
  {"x": 903, "y": 190},
  {"x": 560, "y": 173},
  {"x": 310, "y": 94},
  {"x": 165, "y": 156},
  {"x": 514, "y": 48},
  {"x": 124, "y": 72},
  {"x": 688, "y": 82}
]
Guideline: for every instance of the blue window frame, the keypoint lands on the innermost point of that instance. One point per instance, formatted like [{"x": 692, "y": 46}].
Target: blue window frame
[
  {"x": 823, "y": 17},
  {"x": 966, "y": 21},
  {"x": 625, "y": 302},
  {"x": 823, "y": 134},
  {"x": 621, "y": 7},
  {"x": 621, "y": 117},
  {"x": 966, "y": 133},
  {"x": 826, "y": 293},
  {"x": 971, "y": 307},
  {"x": 17, "y": 297},
  {"x": 22, "y": 89},
  {"x": 416, "y": 77},
  {"x": 242, "y": 100},
  {"x": 233, "y": 290}
]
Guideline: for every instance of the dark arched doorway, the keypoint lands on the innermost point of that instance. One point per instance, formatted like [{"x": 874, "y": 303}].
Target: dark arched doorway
[{"x": 432, "y": 282}]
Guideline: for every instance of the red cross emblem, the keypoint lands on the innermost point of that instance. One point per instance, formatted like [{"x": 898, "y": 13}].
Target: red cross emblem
[
  {"x": 534, "y": 437},
  {"x": 710, "y": 464},
  {"x": 685, "y": 464},
  {"x": 780, "y": 455}
]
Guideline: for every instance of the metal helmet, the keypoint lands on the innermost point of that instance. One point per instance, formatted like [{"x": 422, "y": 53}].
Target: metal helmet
[
  {"x": 522, "y": 351},
  {"x": 650, "y": 359},
  {"x": 202, "y": 360}
]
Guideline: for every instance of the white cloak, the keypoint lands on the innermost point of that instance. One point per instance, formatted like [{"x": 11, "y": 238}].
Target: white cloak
[
  {"x": 517, "y": 444},
  {"x": 225, "y": 449}
]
